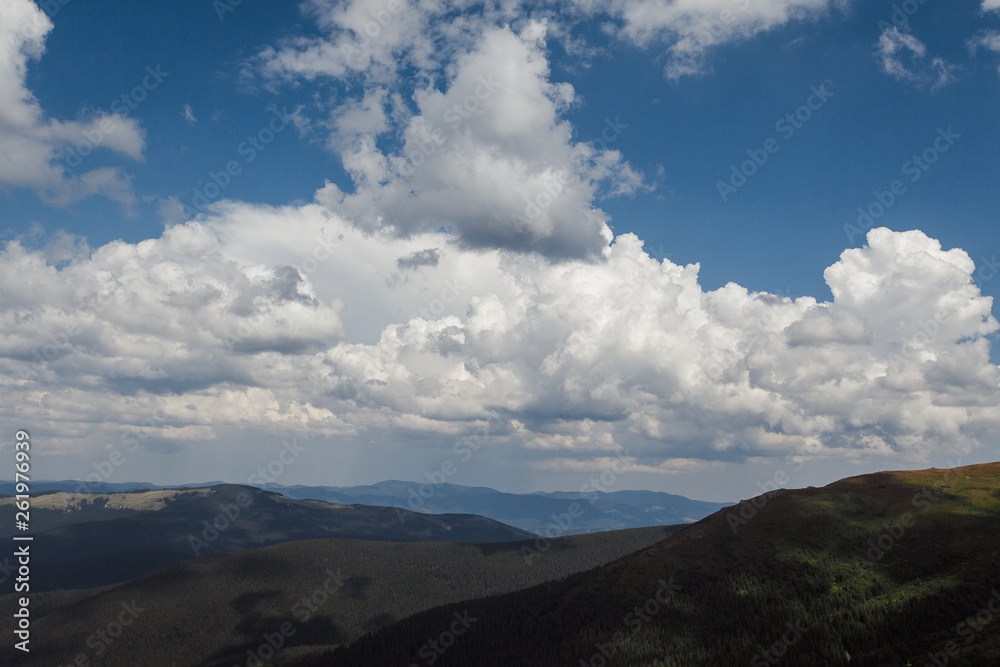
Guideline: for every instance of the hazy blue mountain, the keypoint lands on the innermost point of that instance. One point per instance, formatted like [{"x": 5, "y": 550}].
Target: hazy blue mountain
[{"x": 542, "y": 513}]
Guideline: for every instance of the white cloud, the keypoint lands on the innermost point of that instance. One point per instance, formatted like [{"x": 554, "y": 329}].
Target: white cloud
[
  {"x": 413, "y": 307},
  {"x": 479, "y": 144},
  {"x": 37, "y": 151},
  {"x": 484, "y": 151},
  {"x": 904, "y": 57},
  {"x": 987, "y": 39},
  {"x": 364, "y": 36},
  {"x": 188, "y": 114},
  {"x": 489, "y": 158},
  {"x": 991, "y": 5},
  {"x": 359, "y": 270},
  {"x": 578, "y": 360},
  {"x": 692, "y": 27}
]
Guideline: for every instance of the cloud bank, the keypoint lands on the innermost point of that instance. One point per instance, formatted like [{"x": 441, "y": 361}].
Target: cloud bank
[
  {"x": 575, "y": 360},
  {"x": 466, "y": 279}
]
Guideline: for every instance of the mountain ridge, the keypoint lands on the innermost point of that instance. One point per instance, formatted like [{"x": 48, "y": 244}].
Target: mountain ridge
[
  {"x": 82, "y": 541},
  {"x": 879, "y": 569},
  {"x": 533, "y": 512}
]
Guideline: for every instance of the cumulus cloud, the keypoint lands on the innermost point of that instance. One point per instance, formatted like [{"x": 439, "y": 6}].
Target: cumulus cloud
[
  {"x": 469, "y": 283},
  {"x": 489, "y": 158},
  {"x": 991, "y": 5},
  {"x": 156, "y": 314},
  {"x": 570, "y": 362},
  {"x": 480, "y": 146},
  {"x": 484, "y": 153},
  {"x": 35, "y": 150},
  {"x": 904, "y": 57}
]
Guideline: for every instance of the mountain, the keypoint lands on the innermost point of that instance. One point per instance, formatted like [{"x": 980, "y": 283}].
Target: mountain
[
  {"x": 213, "y": 610},
  {"x": 528, "y": 511},
  {"x": 893, "y": 568},
  {"x": 533, "y": 511},
  {"x": 86, "y": 540},
  {"x": 76, "y": 486}
]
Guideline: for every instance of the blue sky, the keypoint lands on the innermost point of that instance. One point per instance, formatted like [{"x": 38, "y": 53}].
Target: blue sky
[
  {"x": 679, "y": 108},
  {"x": 695, "y": 128}
]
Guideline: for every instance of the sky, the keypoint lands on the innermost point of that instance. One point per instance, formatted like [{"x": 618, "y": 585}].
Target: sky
[{"x": 686, "y": 245}]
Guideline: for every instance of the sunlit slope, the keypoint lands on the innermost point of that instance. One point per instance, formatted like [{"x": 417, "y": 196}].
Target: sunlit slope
[{"x": 882, "y": 569}]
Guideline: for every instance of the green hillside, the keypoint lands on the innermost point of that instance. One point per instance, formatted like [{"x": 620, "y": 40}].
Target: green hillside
[
  {"x": 894, "y": 568},
  {"x": 212, "y": 610}
]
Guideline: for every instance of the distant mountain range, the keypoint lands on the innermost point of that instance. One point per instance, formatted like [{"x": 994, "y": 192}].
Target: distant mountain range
[
  {"x": 86, "y": 540},
  {"x": 551, "y": 514}
]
